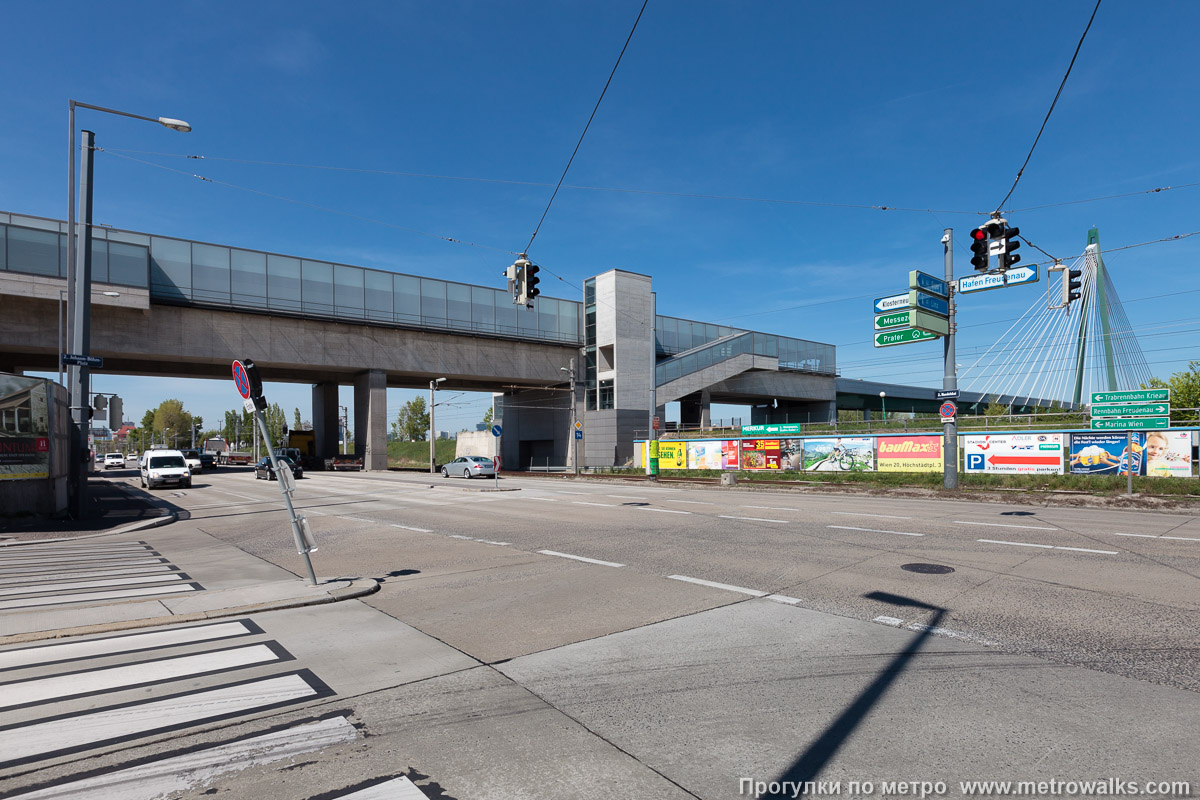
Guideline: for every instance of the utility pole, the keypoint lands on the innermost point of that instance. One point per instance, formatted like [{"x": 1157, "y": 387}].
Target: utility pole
[
  {"x": 432, "y": 428},
  {"x": 950, "y": 371},
  {"x": 572, "y": 439}
]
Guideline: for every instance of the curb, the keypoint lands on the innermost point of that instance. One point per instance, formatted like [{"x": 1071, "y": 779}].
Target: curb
[
  {"x": 146, "y": 524},
  {"x": 357, "y": 588}
]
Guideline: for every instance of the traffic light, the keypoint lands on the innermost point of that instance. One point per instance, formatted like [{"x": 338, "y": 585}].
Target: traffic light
[
  {"x": 979, "y": 246},
  {"x": 512, "y": 276},
  {"x": 1009, "y": 243},
  {"x": 1072, "y": 286},
  {"x": 531, "y": 282},
  {"x": 519, "y": 275},
  {"x": 116, "y": 413}
]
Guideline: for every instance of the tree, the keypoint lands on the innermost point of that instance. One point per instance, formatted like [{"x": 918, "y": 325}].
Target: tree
[
  {"x": 412, "y": 423},
  {"x": 1185, "y": 391},
  {"x": 171, "y": 418},
  {"x": 487, "y": 418},
  {"x": 995, "y": 408},
  {"x": 276, "y": 420},
  {"x": 297, "y": 424},
  {"x": 148, "y": 420}
]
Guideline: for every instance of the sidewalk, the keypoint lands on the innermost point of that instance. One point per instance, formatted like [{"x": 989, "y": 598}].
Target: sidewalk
[
  {"x": 68, "y": 578},
  {"x": 111, "y": 506}
]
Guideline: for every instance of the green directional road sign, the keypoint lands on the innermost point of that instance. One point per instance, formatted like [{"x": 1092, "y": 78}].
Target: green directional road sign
[
  {"x": 930, "y": 323},
  {"x": 1147, "y": 424},
  {"x": 905, "y": 336},
  {"x": 1135, "y": 396},
  {"x": 896, "y": 319},
  {"x": 1146, "y": 410},
  {"x": 779, "y": 429}
]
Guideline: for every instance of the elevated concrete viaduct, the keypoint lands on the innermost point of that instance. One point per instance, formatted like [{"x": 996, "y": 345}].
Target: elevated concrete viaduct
[{"x": 138, "y": 337}]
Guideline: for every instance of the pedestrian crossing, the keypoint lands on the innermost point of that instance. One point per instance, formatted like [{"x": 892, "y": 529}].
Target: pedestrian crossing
[
  {"x": 59, "y": 573},
  {"x": 73, "y": 697}
]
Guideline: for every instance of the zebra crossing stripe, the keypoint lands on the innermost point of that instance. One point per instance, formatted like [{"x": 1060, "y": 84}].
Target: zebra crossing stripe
[
  {"x": 49, "y": 588},
  {"x": 61, "y": 562},
  {"x": 73, "y": 548},
  {"x": 89, "y": 573},
  {"x": 87, "y": 682},
  {"x": 39, "y": 655},
  {"x": 170, "y": 776},
  {"x": 116, "y": 594},
  {"x": 56, "y": 568},
  {"x": 70, "y": 733},
  {"x": 396, "y": 789}
]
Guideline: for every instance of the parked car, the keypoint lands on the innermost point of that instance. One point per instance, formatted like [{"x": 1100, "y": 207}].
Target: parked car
[
  {"x": 192, "y": 457},
  {"x": 468, "y": 467},
  {"x": 162, "y": 467},
  {"x": 265, "y": 469},
  {"x": 114, "y": 460}
]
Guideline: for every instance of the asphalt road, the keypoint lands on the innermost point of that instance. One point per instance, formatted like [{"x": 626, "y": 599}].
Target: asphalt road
[{"x": 574, "y": 639}]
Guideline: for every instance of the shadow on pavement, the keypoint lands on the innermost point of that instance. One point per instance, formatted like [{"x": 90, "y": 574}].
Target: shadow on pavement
[
  {"x": 110, "y": 505},
  {"x": 810, "y": 763}
]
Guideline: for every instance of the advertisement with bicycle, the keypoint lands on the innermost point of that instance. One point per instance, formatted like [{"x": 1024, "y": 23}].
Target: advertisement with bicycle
[{"x": 843, "y": 454}]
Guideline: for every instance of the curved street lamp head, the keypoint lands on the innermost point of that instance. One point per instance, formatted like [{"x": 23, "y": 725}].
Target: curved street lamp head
[
  {"x": 174, "y": 124},
  {"x": 111, "y": 294}
]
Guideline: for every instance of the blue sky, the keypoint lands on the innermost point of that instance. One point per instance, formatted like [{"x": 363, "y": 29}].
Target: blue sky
[{"x": 877, "y": 104}]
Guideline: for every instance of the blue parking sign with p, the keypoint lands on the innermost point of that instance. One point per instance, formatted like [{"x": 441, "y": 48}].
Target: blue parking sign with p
[{"x": 975, "y": 462}]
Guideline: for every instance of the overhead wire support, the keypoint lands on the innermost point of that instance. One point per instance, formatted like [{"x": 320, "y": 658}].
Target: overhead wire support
[
  {"x": 599, "y": 100},
  {"x": 1057, "y": 94}
]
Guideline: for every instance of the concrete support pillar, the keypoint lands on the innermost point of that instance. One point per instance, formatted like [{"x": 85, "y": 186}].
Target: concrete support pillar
[
  {"x": 370, "y": 418},
  {"x": 696, "y": 409},
  {"x": 325, "y": 418}
]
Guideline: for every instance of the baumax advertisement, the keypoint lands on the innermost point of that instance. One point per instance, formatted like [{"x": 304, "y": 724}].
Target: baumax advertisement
[{"x": 909, "y": 454}]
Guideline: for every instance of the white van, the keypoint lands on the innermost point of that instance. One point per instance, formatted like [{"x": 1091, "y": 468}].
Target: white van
[{"x": 162, "y": 467}]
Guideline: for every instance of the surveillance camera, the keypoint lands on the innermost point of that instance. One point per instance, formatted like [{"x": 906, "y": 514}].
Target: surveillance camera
[{"x": 945, "y": 238}]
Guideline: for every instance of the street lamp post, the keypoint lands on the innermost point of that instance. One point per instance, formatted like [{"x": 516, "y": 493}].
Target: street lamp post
[
  {"x": 883, "y": 406},
  {"x": 432, "y": 428},
  {"x": 62, "y": 296},
  {"x": 79, "y": 278}
]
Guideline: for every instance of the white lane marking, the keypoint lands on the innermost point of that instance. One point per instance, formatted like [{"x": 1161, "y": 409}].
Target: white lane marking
[
  {"x": 396, "y": 789},
  {"x": 32, "y": 656},
  {"x": 581, "y": 558},
  {"x": 41, "y": 738},
  {"x": 117, "y": 594},
  {"x": 44, "y": 690},
  {"x": 872, "y": 530},
  {"x": 460, "y": 536},
  {"x": 313, "y": 511},
  {"x": 585, "y": 503},
  {"x": 892, "y": 621},
  {"x": 940, "y": 631},
  {"x": 410, "y": 528},
  {"x": 564, "y": 491},
  {"x": 91, "y": 573},
  {"x": 149, "y": 560},
  {"x": 171, "y": 776},
  {"x": 1161, "y": 536},
  {"x": 360, "y": 519},
  {"x": 666, "y": 510},
  {"x": 783, "y": 598},
  {"x": 772, "y": 508},
  {"x": 752, "y": 519},
  {"x": 498, "y": 544},
  {"x": 624, "y": 497},
  {"x": 690, "y": 502},
  {"x": 91, "y": 584},
  {"x": 715, "y": 585},
  {"x": 863, "y": 514},
  {"x": 544, "y": 499},
  {"x": 1004, "y": 525},
  {"x": 1052, "y": 547},
  {"x": 242, "y": 496}
]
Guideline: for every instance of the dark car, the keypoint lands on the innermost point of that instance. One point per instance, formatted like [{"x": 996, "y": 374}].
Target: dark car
[
  {"x": 207, "y": 460},
  {"x": 264, "y": 468}
]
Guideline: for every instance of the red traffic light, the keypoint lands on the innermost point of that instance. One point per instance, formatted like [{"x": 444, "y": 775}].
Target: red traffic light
[{"x": 979, "y": 234}]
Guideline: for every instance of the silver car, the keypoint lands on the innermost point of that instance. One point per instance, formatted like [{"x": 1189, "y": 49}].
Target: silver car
[{"x": 468, "y": 467}]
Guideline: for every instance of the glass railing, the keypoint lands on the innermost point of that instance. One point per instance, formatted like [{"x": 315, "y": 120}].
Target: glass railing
[
  {"x": 793, "y": 354},
  {"x": 185, "y": 272}
]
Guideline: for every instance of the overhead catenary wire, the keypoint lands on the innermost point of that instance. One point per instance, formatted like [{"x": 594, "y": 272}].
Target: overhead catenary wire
[
  {"x": 1053, "y": 103},
  {"x": 596, "y": 108}
]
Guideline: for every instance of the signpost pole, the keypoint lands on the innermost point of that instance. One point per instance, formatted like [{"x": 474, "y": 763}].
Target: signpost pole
[
  {"x": 950, "y": 371},
  {"x": 287, "y": 497},
  {"x": 1129, "y": 462}
]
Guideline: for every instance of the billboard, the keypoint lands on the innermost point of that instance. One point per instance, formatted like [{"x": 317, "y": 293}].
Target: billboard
[
  {"x": 713, "y": 454},
  {"x": 672, "y": 455},
  {"x": 843, "y": 454},
  {"x": 910, "y": 454},
  {"x": 1013, "y": 453},
  {"x": 760, "y": 454},
  {"x": 1163, "y": 454},
  {"x": 791, "y": 454},
  {"x": 24, "y": 428}
]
